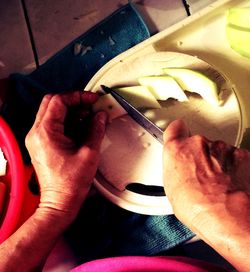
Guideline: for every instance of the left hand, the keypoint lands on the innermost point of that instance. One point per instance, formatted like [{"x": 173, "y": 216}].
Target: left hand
[{"x": 65, "y": 170}]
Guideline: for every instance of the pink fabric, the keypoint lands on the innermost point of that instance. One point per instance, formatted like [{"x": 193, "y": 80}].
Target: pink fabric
[{"x": 147, "y": 264}]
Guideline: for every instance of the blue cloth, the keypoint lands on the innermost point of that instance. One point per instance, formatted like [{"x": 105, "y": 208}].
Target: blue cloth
[{"x": 101, "y": 229}]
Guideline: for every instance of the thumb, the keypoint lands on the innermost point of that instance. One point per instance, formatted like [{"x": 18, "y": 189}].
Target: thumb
[{"x": 176, "y": 130}]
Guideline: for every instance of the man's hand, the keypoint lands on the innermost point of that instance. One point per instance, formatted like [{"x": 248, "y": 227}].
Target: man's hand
[
  {"x": 65, "y": 170},
  {"x": 208, "y": 184}
]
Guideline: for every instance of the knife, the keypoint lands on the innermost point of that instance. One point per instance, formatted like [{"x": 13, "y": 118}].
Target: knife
[{"x": 136, "y": 115}]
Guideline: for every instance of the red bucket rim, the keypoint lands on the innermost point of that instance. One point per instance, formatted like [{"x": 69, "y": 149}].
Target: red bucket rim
[{"x": 14, "y": 179}]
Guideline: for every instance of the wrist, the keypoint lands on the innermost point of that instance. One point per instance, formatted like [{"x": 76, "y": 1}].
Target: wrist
[
  {"x": 227, "y": 233},
  {"x": 233, "y": 247},
  {"x": 64, "y": 201},
  {"x": 49, "y": 216},
  {"x": 61, "y": 204}
]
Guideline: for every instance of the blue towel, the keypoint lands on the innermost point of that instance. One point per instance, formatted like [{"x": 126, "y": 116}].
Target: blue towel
[
  {"x": 68, "y": 70},
  {"x": 102, "y": 229}
]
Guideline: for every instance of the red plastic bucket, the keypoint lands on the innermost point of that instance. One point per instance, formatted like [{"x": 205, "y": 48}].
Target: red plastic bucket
[{"x": 14, "y": 180}]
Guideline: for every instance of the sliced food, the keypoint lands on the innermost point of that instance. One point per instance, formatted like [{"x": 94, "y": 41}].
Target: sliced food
[
  {"x": 196, "y": 82},
  {"x": 238, "y": 30},
  {"x": 239, "y": 17},
  {"x": 139, "y": 97},
  {"x": 163, "y": 87},
  {"x": 239, "y": 40}
]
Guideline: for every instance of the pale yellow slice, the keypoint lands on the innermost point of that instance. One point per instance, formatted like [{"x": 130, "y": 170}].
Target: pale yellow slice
[
  {"x": 239, "y": 17},
  {"x": 238, "y": 30},
  {"x": 163, "y": 87},
  {"x": 139, "y": 97},
  {"x": 196, "y": 82},
  {"x": 239, "y": 40}
]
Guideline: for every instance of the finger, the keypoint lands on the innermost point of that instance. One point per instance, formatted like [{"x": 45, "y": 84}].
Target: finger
[
  {"x": 59, "y": 104},
  {"x": 42, "y": 109},
  {"x": 89, "y": 97},
  {"x": 97, "y": 130},
  {"x": 76, "y": 98},
  {"x": 224, "y": 153},
  {"x": 176, "y": 130}
]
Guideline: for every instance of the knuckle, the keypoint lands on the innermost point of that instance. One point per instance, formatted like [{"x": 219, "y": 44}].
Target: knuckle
[
  {"x": 47, "y": 96},
  {"x": 57, "y": 98},
  {"x": 173, "y": 144},
  {"x": 199, "y": 138},
  {"x": 199, "y": 141},
  {"x": 28, "y": 139},
  {"x": 35, "y": 137}
]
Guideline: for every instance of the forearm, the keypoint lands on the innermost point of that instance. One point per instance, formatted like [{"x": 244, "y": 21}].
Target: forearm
[
  {"x": 234, "y": 248},
  {"x": 230, "y": 238},
  {"x": 28, "y": 248},
  {"x": 65, "y": 171}
]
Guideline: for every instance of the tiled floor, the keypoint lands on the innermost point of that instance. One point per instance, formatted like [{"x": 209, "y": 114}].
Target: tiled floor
[
  {"x": 16, "y": 54},
  {"x": 33, "y": 30},
  {"x": 53, "y": 24}
]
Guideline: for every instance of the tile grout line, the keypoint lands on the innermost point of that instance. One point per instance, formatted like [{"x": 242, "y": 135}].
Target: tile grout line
[
  {"x": 31, "y": 36},
  {"x": 187, "y": 7}
]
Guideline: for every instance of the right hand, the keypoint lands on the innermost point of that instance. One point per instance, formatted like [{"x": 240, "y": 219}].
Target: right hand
[{"x": 208, "y": 184}]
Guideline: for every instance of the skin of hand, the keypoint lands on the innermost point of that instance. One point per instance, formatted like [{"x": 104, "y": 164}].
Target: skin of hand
[
  {"x": 65, "y": 170},
  {"x": 208, "y": 184}
]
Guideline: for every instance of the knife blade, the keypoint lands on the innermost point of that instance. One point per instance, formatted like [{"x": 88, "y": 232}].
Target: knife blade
[{"x": 136, "y": 115}]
